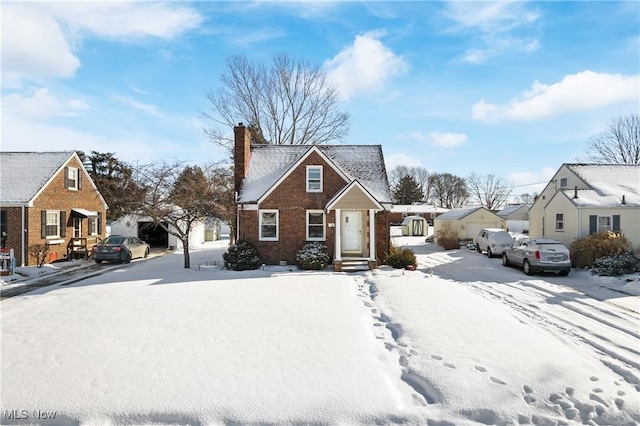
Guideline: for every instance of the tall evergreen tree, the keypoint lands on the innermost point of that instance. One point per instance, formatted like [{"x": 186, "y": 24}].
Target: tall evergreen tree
[{"x": 407, "y": 191}]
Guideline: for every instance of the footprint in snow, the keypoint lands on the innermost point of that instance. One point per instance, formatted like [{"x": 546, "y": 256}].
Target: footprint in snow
[
  {"x": 437, "y": 357},
  {"x": 448, "y": 365},
  {"x": 593, "y": 378},
  {"x": 496, "y": 380},
  {"x": 480, "y": 369}
]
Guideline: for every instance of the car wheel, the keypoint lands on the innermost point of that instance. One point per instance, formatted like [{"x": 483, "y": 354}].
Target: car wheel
[
  {"x": 505, "y": 260},
  {"x": 98, "y": 261},
  {"x": 146, "y": 253},
  {"x": 127, "y": 258},
  {"x": 478, "y": 248},
  {"x": 489, "y": 254},
  {"x": 564, "y": 273},
  {"x": 527, "y": 267}
]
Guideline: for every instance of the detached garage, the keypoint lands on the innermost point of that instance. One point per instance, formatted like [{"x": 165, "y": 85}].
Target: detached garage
[{"x": 467, "y": 222}]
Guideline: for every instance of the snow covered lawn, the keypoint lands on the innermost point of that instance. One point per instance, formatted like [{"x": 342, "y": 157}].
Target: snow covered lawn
[{"x": 461, "y": 341}]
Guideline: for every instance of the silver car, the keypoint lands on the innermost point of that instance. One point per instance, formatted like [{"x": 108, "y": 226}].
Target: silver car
[
  {"x": 538, "y": 255},
  {"x": 120, "y": 249}
]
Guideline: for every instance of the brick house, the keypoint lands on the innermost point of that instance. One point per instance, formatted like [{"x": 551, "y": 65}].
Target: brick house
[
  {"x": 288, "y": 195},
  {"x": 48, "y": 197}
]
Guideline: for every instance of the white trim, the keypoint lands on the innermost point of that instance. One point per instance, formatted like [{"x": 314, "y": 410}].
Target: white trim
[
  {"x": 338, "y": 254},
  {"x": 336, "y": 198},
  {"x": 308, "y": 180},
  {"x": 295, "y": 166},
  {"x": 372, "y": 235},
  {"x": 277, "y": 224},
  {"x": 324, "y": 225}
]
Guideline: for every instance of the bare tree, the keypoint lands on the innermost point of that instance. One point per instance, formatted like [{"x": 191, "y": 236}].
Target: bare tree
[
  {"x": 222, "y": 185},
  {"x": 448, "y": 191},
  {"x": 489, "y": 190},
  {"x": 619, "y": 143},
  {"x": 419, "y": 174},
  {"x": 288, "y": 101},
  {"x": 177, "y": 197},
  {"x": 526, "y": 198}
]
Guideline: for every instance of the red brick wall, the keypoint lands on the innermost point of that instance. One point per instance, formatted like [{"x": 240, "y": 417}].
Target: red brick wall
[
  {"x": 292, "y": 201},
  {"x": 54, "y": 197}
]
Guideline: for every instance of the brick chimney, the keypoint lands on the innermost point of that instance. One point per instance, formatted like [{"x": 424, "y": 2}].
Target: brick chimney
[{"x": 241, "y": 153}]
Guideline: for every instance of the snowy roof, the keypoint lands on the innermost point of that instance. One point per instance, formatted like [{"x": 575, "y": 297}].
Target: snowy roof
[
  {"x": 417, "y": 208},
  {"x": 460, "y": 213},
  {"x": 608, "y": 182},
  {"x": 268, "y": 163},
  {"x": 510, "y": 209},
  {"x": 25, "y": 173}
]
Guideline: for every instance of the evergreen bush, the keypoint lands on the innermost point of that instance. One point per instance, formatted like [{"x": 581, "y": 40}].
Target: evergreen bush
[
  {"x": 616, "y": 265},
  {"x": 242, "y": 256},
  {"x": 313, "y": 255},
  {"x": 400, "y": 258}
]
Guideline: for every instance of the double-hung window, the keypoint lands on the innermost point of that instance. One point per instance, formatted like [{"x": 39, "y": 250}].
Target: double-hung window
[
  {"x": 52, "y": 224},
  {"x": 314, "y": 178},
  {"x": 315, "y": 225},
  {"x": 93, "y": 225},
  {"x": 72, "y": 178},
  {"x": 559, "y": 222},
  {"x": 268, "y": 225},
  {"x": 604, "y": 223}
]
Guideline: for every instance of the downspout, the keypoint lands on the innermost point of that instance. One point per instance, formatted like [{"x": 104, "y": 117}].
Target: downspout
[{"x": 22, "y": 237}]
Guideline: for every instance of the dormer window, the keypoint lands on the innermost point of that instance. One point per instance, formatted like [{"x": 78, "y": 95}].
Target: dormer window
[{"x": 314, "y": 178}]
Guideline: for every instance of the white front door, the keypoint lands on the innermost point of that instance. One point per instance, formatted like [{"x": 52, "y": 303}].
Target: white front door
[{"x": 351, "y": 231}]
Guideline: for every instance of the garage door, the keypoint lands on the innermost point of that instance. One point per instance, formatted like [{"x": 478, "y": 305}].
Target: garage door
[{"x": 473, "y": 228}]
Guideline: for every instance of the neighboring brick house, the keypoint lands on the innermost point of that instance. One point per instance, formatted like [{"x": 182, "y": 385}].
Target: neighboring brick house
[
  {"x": 288, "y": 195},
  {"x": 48, "y": 197}
]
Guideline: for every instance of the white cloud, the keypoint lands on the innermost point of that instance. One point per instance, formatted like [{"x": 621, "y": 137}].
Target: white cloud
[
  {"x": 576, "y": 92},
  {"x": 441, "y": 139},
  {"x": 135, "y": 104},
  {"x": 42, "y": 105},
  {"x": 364, "y": 67},
  {"x": 125, "y": 19},
  {"x": 38, "y": 38},
  {"x": 33, "y": 45},
  {"x": 493, "y": 24},
  {"x": 530, "y": 182},
  {"x": 394, "y": 160}
]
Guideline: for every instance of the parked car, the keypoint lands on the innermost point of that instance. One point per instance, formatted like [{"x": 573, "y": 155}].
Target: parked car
[
  {"x": 119, "y": 248},
  {"x": 537, "y": 255},
  {"x": 493, "y": 241}
]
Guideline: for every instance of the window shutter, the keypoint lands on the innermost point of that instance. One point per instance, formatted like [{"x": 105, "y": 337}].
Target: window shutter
[
  {"x": 616, "y": 222},
  {"x": 99, "y": 223},
  {"x": 593, "y": 224},
  {"x": 79, "y": 179},
  {"x": 63, "y": 224},
  {"x": 43, "y": 223},
  {"x": 66, "y": 177}
]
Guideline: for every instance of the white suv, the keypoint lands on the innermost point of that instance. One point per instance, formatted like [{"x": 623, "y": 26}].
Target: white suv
[{"x": 493, "y": 241}]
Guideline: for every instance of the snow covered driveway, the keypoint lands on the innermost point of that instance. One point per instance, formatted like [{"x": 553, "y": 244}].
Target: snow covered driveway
[{"x": 464, "y": 342}]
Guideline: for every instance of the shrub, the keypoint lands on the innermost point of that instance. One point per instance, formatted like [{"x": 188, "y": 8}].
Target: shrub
[
  {"x": 586, "y": 250},
  {"x": 313, "y": 256},
  {"x": 40, "y": 252},
  {"x": 242, "y": 256},
  {"x": 616, "y": 265},
  {"x": 400, "y": 258},
  {"x": 447, "y": 239}
]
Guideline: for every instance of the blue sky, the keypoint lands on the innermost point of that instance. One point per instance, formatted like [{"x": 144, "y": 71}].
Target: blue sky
[{"x": 509, "y": 88}]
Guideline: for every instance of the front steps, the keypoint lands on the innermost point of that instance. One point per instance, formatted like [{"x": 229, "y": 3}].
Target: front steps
[{"x": 353, "y": 265}]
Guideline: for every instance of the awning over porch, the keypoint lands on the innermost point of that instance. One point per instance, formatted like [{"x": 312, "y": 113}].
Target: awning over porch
[
  {"x": 354, "y": 196},
  {"x": 77, "y": 212}
]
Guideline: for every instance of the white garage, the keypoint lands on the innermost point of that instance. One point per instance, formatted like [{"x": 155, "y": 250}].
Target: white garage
[{"x": 468, "y": 221}]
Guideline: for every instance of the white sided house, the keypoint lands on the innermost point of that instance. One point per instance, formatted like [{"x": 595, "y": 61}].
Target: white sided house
[
  {"x": 468, "y": 221},
  {"x": 582, "y": 199},
  {"x": 157, "y": 237}
]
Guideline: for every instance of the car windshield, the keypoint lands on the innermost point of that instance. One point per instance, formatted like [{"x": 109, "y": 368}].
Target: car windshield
[
  {"x": 503, "y": 237},
  {"x": 113, "y": 240}
]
